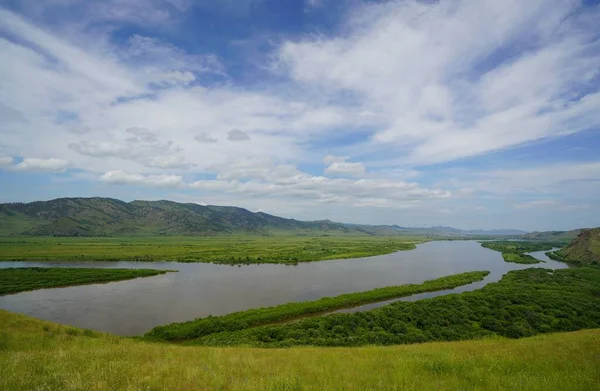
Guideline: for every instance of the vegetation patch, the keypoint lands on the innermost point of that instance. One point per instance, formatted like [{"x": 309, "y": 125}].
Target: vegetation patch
[
  {"x": 13, "y": 280},
  {"x": 515, "y": 251},
  {"x": 230, "y": 250},
  {"x": 260, "y": 316},
  {"x": 38, "y": 355},
  {"x": 524, "y": 303}
]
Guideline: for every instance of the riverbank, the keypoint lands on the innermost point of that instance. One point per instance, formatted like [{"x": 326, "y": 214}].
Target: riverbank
[
  {"x": 41, "y": 355},
  {"x": 231, "y": 250},
  {"x": 523, "y": 303},
  {"x": 22, "y": 279},
  {"x": 262, "y": 316}
]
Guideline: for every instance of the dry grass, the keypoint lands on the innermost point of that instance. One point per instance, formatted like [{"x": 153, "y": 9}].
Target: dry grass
[{"x": 44, "y": 356}]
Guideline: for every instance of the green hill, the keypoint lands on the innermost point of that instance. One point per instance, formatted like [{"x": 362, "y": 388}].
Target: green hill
[
  {"x": 39, "y": 355},
  {"x": 106, "y": 216},
  {"x": 584, "y": 249},
  {"x": 552, "y": 236}
]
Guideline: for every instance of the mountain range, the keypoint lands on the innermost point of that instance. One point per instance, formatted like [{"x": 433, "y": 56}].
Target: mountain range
[{"x": 110, "y": 217}]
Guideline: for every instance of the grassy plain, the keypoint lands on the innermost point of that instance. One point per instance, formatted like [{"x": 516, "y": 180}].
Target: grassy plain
[
  {"x": 220, "y": 249},
  {"x": 13, "y": 280},
  {"x": 261, "y": 316},
  {"x": 38, "y": 355}
]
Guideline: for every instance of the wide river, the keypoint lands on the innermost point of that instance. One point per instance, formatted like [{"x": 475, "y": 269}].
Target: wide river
[{"x": 133, "y": 307}]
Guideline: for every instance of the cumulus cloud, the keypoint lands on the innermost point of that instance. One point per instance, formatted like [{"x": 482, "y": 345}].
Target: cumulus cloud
[
  {"x": 136, "y": 144},
  {"x": 6, "y": 161},
  {"x": 44, "y": 165},
  {"x": 261, "y": 178},
  {"x": 237, "y": 135},
  {"x": 205, "y": 138},
  {"x": 123, "y": 178},
  {"x": 329, "y": 159},
  {"x": 344, "y": 168}
]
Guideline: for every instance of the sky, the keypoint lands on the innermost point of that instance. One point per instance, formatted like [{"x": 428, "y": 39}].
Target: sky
[{"x": 476, "y": 115}]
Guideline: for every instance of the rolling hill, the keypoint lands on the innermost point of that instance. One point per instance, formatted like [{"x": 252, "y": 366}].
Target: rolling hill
[
  {"x": 584, "y": 249},
  {"x": 552, "y": 236},
  {"x": 110, "y": 217},
  {"x": 106, "y": 216}
]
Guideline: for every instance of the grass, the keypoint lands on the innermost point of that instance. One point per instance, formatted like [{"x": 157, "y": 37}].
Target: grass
[
  {"x": 513, "y": 251},
  {"x": 261, "y": 316},
  {"x": 225, "y": 250},
  {"x": 13, "y": 280},
  {"x": 38, "y": 355}
]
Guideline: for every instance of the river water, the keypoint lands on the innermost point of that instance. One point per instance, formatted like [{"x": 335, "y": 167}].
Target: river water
[{"x": 133, "y": 307}]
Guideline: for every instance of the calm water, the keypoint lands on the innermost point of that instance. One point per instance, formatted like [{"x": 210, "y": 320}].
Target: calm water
[{"x": 200, "y": 289}]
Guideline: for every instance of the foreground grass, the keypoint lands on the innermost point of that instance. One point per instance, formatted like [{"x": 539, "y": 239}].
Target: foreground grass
[
  {"x": 37, "y": 355},
  {"x": 261, "y": 316},
  {"x": 225, "y": 250},
  {"x": 515, "y": 251},
  {"x": 13, "y": 280}
]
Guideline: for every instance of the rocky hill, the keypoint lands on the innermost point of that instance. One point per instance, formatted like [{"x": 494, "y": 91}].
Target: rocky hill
[{"x": 584, "y": 249}]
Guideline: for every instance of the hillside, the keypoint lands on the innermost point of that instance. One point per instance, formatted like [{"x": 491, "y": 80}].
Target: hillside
[
  {"x": 110, "y": 217},
  {"x": 584, "y": 249},
  {"x": 106, "y": 216},
  {"x": 94, "y": 361},
  {"x": 552, "y": 236}
]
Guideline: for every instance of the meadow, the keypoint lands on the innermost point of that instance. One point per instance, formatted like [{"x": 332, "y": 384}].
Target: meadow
[
  {"x": 13, "y": 280},
  {"x": 38, "y": 355},
  {"x": 513, "y": 251},
  {"x": 522, "y": 304},
  {"x": 260, "y": 316},
  {"x": 230, "y": 250}
]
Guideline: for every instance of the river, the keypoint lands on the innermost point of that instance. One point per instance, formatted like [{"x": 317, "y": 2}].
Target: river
[{"x": 133, "y": 307}]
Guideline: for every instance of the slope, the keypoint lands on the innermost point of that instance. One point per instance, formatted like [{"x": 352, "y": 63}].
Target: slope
[
  {"x": 40, "y": 355},
  {"x": 584, "y": 249},
  {"x": 110, "y": 217}
]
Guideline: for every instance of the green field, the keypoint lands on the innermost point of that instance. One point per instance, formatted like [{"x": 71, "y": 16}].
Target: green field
[
  {"x": 513, "y": 251},
  {"x": 38, "y": 355},
  {"x": 223, "y": 249},
  {"x": 261, "y": 316},
  {"x": 522, "y": 304},
  {"x": 13, "y": 280}
]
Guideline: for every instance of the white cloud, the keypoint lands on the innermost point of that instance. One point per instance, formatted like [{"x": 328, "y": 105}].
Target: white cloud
[
  {"x": 123, "y": 178},
  {"x": 404, "y": 84},
  {"x": 237, "y": 135},
  {"x": 535, "y": 204},
  {"x": 261, "y": 178},
  {"x": 5, "y": 161},
  {"x": 429, "y": 70},
  {"x": 45, "y": 165},
  {"x": 329, "y": 159},
  {"x": 344, "y": 168},
  {"x": 205, "y": 138}
]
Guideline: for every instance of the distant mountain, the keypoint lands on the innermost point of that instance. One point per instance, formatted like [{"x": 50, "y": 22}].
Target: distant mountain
[
  {"x": 106, "y": 216},
  {"x": 111, "y": 217},
  {"x": 584, "y": 249},
  {"x": 437, "y": 231},
  {"x": 557, "y": 236}
]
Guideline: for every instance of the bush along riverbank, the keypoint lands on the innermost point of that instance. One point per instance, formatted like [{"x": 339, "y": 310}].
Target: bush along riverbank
[
  {"x": 261, "y": 316},
  {"x": 524, "y": 303}
]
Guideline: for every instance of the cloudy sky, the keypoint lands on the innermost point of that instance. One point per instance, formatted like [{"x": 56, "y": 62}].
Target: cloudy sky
[{"x": 474, "y": 114}]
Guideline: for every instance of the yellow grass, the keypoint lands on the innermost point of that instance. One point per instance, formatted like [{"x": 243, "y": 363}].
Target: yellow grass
[{"x": 38, "y": 355}]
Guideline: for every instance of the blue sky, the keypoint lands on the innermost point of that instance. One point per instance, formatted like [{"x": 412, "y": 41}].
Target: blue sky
[{"x": 470, "y": 114}]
